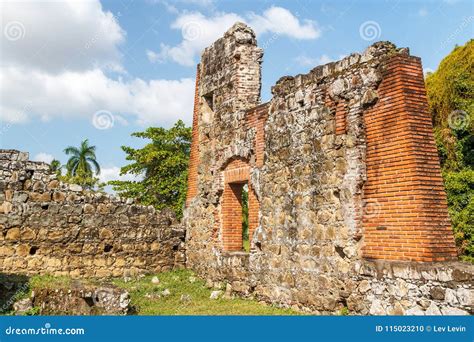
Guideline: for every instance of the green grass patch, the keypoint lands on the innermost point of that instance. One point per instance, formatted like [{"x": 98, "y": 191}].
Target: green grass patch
[
  {"x": 246, "y": 245},
  {"x": 149, "y": 300}
]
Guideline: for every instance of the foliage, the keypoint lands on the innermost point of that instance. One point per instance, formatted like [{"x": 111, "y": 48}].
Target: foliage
[
  {"x": 450, "y": 92},
  {"x": 87, "y": 182},
  {"x": 460, "y": 190},
  {"x": 163, "y": 166},
  {"x": 81, "y": 165},
  {"x": 245, "y": 219},
  {"x": 82, "y": 159},
  {"x": 344, "y": 311},
  {"x": 55, "y": 167},
  {"x": 34, "y": 311}
]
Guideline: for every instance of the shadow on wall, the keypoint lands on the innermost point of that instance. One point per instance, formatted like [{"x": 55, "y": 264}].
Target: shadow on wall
[{"x": 12, "y": 286}]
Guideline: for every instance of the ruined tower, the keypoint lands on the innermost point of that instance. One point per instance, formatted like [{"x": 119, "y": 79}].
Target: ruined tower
[{"x": 341, "y": 169}]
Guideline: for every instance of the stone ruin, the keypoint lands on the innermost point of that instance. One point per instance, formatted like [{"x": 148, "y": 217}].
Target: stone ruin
[
  {"x": 50, "y": 227},
  {"x": 346, "y": 205}
]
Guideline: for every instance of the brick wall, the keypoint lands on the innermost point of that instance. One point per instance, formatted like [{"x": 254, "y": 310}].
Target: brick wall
[
  {"x": 194, "y": 155},
  {"x": 256, "y": 119},
  {"x": 236, "y": 175},
  {"x": 408, "y": 217},
  {"x": 340, "y": 118},
  {"x": 342, "y": 169}
]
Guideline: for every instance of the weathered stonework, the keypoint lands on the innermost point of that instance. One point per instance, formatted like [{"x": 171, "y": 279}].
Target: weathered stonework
[
  {"x": 346, "y": 202},
  {"x": 48, "y": 227},
  {"x": 342, "y": 170}
]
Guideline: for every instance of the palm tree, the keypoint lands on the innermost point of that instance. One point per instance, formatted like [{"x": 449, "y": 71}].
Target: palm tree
[
  {"x": 55, "y": 166},
  {"x": 82, "y": 160}
]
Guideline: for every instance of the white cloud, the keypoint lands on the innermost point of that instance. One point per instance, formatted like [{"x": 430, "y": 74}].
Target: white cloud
[
  {"x": 153, "y": 56},
  {"x": 422, "y": 12},
  {"x": 426, "y": 71},
  {"x": 58, "y": 68},
  {"x": 113, "y": 173},
  {"x": 199, "y": 31},
  {"x": 44, "y": 157},
  {"x": 304, "y": 60},
  {"x": 281, "y": 21},
  {"x": 27, "y": 94},
  {"x": 62, "y": 35}
]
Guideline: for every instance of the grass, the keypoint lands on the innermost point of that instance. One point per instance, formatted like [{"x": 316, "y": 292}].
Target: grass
[
  {"x": 148, "y": 299},
  {"x": 246, "y": 245}
]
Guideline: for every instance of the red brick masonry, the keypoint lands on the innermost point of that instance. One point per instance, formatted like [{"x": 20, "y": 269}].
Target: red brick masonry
[{"x": 406, "y": 215}]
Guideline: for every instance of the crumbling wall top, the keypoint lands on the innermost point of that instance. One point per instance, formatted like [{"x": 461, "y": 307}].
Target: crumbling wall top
[{"x": 374, "y": 54}]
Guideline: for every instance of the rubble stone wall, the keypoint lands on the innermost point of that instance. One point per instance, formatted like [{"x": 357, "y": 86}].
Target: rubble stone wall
[
  {"x": 49, "y": 227},
  {"x": 325, "y": 211}
]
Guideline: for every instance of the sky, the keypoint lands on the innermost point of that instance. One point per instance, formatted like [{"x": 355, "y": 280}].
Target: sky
[{"x": 101, "y": 70}]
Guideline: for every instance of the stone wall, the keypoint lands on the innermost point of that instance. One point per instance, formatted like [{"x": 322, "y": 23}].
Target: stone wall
[
  {"x": 411, "y": 288},
  {"x": 49, "y": 227},
  {"x": 315, "y": 159}
]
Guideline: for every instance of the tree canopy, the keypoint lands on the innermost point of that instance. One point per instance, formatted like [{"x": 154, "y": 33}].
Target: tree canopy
[
  {"x": 450, "y": 91},
  {"x": 161, "y": 167},
  {"x": 81, "y": 165}
]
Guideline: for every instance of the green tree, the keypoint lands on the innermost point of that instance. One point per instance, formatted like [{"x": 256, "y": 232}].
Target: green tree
[
  {"x": 55, "y": 167},
  {"x": 450, "y": 91},
  {"x": 162, "y": 165},
  {"x": 82, "y": 165},
  {"x": 82, "y": 159}
]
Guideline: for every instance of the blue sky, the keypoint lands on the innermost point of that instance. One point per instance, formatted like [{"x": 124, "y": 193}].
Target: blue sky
[{"x": 102, "y": 70}]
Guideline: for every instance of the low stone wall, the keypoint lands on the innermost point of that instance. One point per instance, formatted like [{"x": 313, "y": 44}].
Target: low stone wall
[
  {"x": 49, "y": 227},
  {"x": 409, "y": 288}
]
